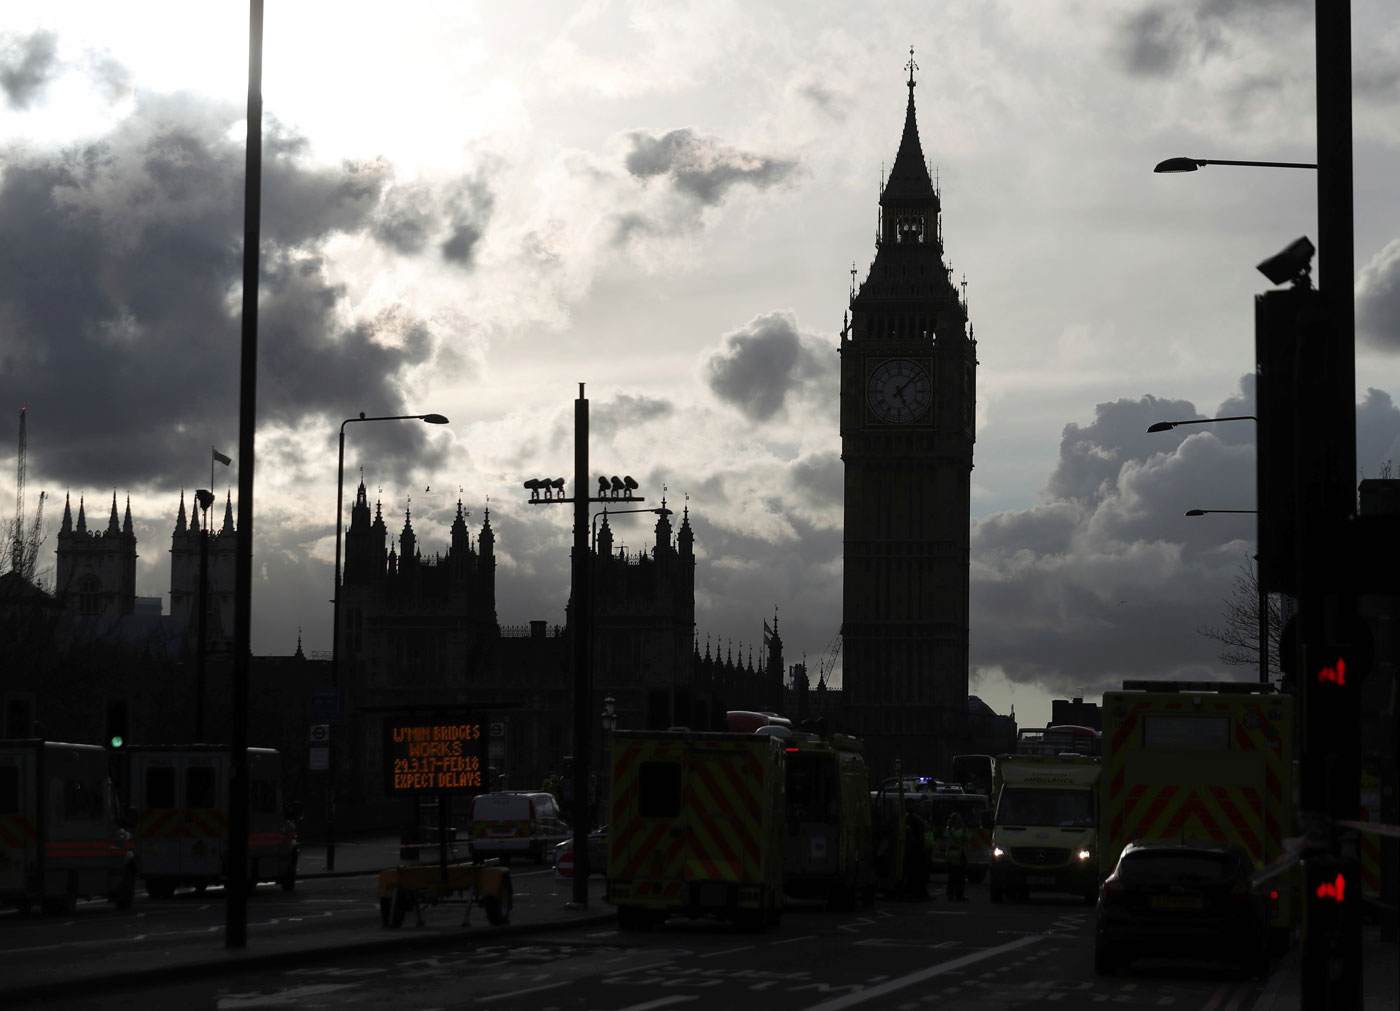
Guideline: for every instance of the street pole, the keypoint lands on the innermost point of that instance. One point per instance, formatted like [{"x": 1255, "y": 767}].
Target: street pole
[
  {"x": 431, "y": 419},
  {"x": 583, "y": 717},
  {"x": 1331, "y": 760},
  {"x": 236, "y": 934}
]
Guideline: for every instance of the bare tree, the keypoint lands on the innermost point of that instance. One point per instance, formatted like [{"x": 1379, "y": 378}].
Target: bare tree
[{"x": 1239, "y": 634}]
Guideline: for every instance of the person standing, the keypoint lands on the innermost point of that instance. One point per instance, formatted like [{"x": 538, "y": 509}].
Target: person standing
[{"x": 955, "y": 848}]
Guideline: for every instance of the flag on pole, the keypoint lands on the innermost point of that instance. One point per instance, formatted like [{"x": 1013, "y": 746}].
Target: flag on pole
[
  {"x": 225, "y": 460},
  {"x": 767, "y": 633}
]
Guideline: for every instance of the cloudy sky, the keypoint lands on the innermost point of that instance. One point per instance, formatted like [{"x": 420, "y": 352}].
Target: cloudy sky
[{"x": 470, "y": 208}]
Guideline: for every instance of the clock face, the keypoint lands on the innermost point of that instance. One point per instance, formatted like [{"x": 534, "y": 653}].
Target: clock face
[{"x": 899, "y": 390}]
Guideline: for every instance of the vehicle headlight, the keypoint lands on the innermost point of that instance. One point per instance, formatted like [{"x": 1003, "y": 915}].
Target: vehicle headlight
[
  {"x": 1085, "y": 853},
  {"x": 997, "y": 852}
]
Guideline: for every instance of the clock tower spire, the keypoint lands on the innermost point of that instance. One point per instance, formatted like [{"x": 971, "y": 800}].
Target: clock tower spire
[{"x": 908, "y": 381}]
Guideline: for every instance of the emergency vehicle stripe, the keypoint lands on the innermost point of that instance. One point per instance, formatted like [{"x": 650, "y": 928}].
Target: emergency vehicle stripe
[
  {"x": 1226, "y": 802},
  {"x": 1153, "y": 813}
]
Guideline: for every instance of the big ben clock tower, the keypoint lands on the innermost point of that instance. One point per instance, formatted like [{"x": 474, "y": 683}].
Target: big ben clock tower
[{"x": 908, "y": 382}]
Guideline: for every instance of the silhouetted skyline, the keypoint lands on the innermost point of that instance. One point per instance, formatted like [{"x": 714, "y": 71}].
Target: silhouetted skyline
[{"x": 471, "y": 210}]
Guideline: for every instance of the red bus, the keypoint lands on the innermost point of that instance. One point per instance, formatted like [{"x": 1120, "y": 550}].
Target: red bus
[{"x": 1060, "y": 740}]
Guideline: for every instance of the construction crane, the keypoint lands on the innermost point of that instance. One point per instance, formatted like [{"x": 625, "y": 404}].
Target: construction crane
[
  {"x": 24, "y": 548},
  {"x": 828, "y": 661}
]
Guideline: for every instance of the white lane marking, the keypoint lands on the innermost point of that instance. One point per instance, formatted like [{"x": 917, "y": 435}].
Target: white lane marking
[
  {"x": 659, "y": 1002},
  {"x": 900, "y": 982},
  {"x": 727, "y": 951},
  {"x": 280, "y": 997},
  {"x": 792, "y": 940},
  {"x": 507, "y": 994}
]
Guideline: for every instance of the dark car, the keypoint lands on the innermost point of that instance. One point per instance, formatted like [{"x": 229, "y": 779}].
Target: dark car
[{"x": 1181, "y": 900}]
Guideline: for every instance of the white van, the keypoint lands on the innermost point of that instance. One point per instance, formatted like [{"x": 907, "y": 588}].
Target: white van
[{"x": 516, "y": 823}]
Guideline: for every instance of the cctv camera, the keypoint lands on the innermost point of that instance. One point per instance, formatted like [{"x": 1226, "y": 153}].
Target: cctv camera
[{"x": 1291, "y": 265}]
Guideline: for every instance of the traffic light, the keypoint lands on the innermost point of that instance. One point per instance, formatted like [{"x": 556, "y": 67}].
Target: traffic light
[
  {"x": 116, "y": 713},
  {"x": 1327, "y": 890}
]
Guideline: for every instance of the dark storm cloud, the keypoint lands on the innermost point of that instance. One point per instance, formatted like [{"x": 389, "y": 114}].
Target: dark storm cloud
[
  {"x": 626, "y": 411},
  {"x": 27, "y": 63},
  {"x": 1106, "y": 578},
  {"x": 701, "y": 167},
  {"x": 1378, "y": 299},
  {"x": 1160, "y": 37},
  {"x": 765, "y": 360},
  {"x": 410, "y": 217},
  {"x": 120, "y": 269}
]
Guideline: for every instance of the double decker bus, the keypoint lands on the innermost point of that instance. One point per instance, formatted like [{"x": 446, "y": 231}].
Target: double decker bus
[{"x": 1060, "y": 740}]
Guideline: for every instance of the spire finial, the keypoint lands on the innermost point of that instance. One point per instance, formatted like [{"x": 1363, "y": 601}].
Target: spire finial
[{"x": 911, "y": 66}]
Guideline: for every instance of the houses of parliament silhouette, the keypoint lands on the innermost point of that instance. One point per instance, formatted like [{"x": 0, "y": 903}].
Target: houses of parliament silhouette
[{"x": 421, "y": 629}]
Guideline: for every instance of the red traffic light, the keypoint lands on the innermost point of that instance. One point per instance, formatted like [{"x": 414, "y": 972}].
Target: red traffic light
[
  {"x": 1337, "y": 673},
  {"x": 1333, "y": 889}
]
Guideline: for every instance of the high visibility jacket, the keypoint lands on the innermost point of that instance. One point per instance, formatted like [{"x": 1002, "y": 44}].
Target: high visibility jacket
[{"x": 955, "y": 845}]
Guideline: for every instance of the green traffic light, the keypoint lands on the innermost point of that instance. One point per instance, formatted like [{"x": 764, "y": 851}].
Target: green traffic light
[{"x": 116, "y": 740}]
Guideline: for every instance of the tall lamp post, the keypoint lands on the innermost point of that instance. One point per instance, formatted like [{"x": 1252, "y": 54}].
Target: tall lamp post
[
  {"x": 1263, "y": 600},
  {"x": 431, "y": 419},
  {"x": 1166, "y": 426},
  {"x": 550, "y": 491}
]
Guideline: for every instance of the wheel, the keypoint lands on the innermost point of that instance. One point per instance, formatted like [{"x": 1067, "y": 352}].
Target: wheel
[
  {"x": 1105, "y": 962},
  {"x": 977, "y": 875},
  {"x": 498, "y": 906},
  {"x": 633, "y": 918},
  {"x": 398, "y": 907},
  {"x": 160, "y": 888},
  {"x": 384, "y": 905},
  {"x": 201, "y": 887},
  {"x": 125, "y": 894}
]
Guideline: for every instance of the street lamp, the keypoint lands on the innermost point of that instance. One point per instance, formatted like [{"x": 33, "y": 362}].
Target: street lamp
[
  {"x": 1263, "y": 600},
  {"x": 550, "y": 491},
  {"x": 1194, "y": 164},
  {"x": 431, "y": 419},
  {"x": 1167, "y": 426}
]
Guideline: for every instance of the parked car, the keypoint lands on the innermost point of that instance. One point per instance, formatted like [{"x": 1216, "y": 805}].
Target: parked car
[
  {"x": 1181, "y": 899},
  {"x": 597, "y": 855}
]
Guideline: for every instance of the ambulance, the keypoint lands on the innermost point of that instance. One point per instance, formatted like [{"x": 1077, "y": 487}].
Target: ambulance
[
  {"x": 828, "y": 845},
  {"x": 61, "y": 833},
  {"x": 1044, "y": 831},
  {"x": 696, "y": 827},
  {"x": 179, "y": 799},
  {"x": 1207, "y": 760}
]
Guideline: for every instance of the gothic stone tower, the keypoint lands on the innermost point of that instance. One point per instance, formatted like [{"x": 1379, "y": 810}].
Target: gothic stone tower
[
  {"x": 908, "y": 379},
  {"x": 97, "y": 571}
]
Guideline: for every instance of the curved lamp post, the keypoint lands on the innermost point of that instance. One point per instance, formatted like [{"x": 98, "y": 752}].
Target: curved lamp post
[
  {"x": 1194, "y": 164},
  {"x": 1263, "y": 600},
  {"x": 430, "y": 419},
  {"x": 1167, "y": 426}
]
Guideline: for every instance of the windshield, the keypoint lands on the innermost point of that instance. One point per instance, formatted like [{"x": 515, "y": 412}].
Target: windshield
[{"x": 1063, "y": 808}]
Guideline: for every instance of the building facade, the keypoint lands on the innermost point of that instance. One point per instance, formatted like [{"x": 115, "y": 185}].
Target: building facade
[{"x": 907, "y": 411}]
